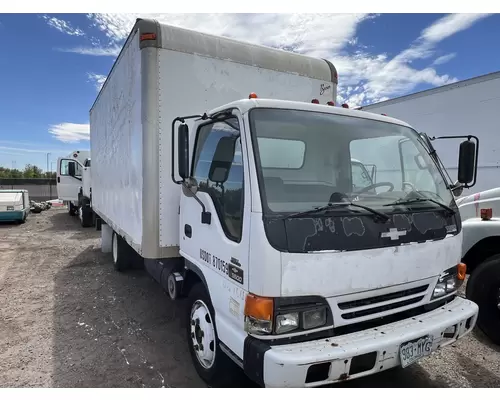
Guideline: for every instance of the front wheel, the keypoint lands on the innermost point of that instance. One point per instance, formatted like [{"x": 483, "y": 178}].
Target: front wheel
[
  {"x": 211, "y": 364},
  {"x": 122, "y": 253},
  {"x": 483, "y": 288}
]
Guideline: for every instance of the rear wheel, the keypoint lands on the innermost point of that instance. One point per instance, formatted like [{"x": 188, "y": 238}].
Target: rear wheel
[
  {"x": 483, "y": 288},
  {"x": 122, "y": 253},
  {"x": 86, "y": 214},
  {"x": 211, "y": 364}
]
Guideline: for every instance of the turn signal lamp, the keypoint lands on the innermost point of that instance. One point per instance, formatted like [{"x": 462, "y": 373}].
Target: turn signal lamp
[
  {"x": 486, "y": 214},
  {"x": 258, "y": 314}
]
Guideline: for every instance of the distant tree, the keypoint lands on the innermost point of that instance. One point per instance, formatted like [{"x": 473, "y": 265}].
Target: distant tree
[
  {"x": 32, "y": 171},
  {"x": 15, "y": 173}
]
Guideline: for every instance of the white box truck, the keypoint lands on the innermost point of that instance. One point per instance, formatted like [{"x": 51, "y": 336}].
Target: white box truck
[
  {"x": 228, "y": 172},
  {"x": 464, "y": 108},
  {"x": 74, "y": 186}
]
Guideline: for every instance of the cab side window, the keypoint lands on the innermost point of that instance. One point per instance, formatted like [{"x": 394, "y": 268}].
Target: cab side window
[
  {"x": 65, "y": 168},
  {"x": 227, "y": 195}
]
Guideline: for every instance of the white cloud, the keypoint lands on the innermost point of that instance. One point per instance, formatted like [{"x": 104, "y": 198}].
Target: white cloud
[
  {"x": 390, "y": 78},
  {"x": 97, "y": 80},
  {"x": 68, "y": 132},
  {"x": 444, "y": 59},
  {"x": 63, "y": 26},
  {"x": 305, "y": 33},
  {"x": 94, "y": 51},
  {"x": 27, "y": 150},
  {"x": 370, "y": 76},
  {"x": 450, "y": 25}
]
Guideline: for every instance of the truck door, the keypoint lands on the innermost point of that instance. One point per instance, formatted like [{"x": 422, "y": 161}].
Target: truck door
[
  {"x": 69, "y": 179},
  {"x": 220, "y": 249}
]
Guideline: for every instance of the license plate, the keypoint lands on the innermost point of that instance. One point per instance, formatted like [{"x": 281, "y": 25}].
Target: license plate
[{"x": 412, "y": 351}]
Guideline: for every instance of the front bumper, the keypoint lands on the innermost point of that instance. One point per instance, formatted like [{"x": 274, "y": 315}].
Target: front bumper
[{"x": 361, "y": 353}]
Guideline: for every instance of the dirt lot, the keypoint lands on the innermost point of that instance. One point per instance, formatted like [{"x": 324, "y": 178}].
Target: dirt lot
[{"x": 67, "y": 319}]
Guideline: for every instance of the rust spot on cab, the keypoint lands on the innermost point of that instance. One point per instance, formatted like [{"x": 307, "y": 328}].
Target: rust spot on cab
[{"x": 343, "y": 377}]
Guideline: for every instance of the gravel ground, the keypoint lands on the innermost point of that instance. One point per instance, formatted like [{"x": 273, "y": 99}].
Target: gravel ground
[{"x": 67, "y": 319}]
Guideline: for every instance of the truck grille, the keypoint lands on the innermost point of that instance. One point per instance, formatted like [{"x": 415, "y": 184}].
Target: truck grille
[{"x": 390, "y": 301}]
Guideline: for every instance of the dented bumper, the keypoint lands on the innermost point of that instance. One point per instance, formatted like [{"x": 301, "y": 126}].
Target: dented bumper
[{"x": 325, "y": 361}]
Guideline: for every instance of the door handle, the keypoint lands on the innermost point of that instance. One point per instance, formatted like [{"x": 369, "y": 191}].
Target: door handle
[{"x": 188, "y": 231}]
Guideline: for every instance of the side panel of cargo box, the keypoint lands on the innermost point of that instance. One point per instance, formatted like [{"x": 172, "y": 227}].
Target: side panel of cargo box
[{"x": 116, "y": 147}]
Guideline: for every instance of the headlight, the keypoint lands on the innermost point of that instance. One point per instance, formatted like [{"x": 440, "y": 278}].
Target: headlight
[
  {"x": 303, "y": 320},
  {"x": 314, "y": 318},
  {"x": 287, "y": 322},
  {"x": 264, "y": 316},
  {"x": 449, "y": 281}
]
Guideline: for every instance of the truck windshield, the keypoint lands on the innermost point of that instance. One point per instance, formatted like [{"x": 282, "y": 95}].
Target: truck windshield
[{"x": 309, "y": 159}]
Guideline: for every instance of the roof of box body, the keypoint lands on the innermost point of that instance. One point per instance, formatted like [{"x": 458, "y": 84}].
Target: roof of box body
[{"x": 189, "y": 41}]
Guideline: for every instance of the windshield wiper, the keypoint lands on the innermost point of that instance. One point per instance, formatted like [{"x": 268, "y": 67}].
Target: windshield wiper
[
  {"x": 402, "y": 202},
  {"x": 332, "y": 206}
]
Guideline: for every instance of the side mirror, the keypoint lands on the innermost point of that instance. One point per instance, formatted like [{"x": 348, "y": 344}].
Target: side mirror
[
  {"x": 223, "y": 159},
  {"x": 183, "y": 154},
  {"x": 72, "y": 168},
  {"x": 466, "y": 162}
]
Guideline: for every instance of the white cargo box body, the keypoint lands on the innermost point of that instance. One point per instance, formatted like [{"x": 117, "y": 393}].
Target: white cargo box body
[
  {"x": 14, "y": 205},
  {"x": 179, "y": 72},
  {"x": 468, "y": 107}
]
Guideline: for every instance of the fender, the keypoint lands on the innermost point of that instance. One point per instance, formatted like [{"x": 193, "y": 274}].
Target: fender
[{"x": 475, "y": 230}]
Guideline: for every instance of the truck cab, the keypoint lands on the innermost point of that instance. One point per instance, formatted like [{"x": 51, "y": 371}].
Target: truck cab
[
  {"x": 305, "y": 271},
  {"x": 481, "y": 225},
  {"x": 74, "y": 185}
]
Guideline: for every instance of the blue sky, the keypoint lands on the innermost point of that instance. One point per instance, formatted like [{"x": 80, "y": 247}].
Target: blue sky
[{"x": 53, "y": 65}]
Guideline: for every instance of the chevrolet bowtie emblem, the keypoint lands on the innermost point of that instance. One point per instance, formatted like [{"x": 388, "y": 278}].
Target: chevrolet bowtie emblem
[{"x": 393, "y": 234}]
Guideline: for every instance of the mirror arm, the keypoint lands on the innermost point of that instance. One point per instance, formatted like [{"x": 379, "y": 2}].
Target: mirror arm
[
  {"x": 182, "y": 120},
  {"x": 206, "y": 216}
]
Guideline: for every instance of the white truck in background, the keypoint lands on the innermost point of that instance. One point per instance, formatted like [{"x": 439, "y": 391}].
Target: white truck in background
[
  {"x": 74, "y": 185},
  {"x": 226, "y": 170},
  {"x": 464, "y": 108}
]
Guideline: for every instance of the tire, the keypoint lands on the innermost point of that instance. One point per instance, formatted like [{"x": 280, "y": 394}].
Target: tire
[
  {"x": 87, "y": 216},
  {"x": 217, "y": 370},
  {"x": 121, "y": 252},
  {"x": 483, "y": 288},
  {"x": 72, "y": 210}
]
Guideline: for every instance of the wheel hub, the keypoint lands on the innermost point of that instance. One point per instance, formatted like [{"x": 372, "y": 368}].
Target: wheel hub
[{"x": 202, "y": 334}]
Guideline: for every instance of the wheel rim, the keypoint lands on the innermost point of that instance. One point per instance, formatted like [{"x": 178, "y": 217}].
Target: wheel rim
[
  {"x": 498, "y": 299},
  {"x": 202, "y": 334},
  {"x": 115, "y": 248},
  {"x": 171, "y": 286}
]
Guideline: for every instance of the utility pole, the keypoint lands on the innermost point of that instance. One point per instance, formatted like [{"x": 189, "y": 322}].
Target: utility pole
[{"x": 47, "y": 170}]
